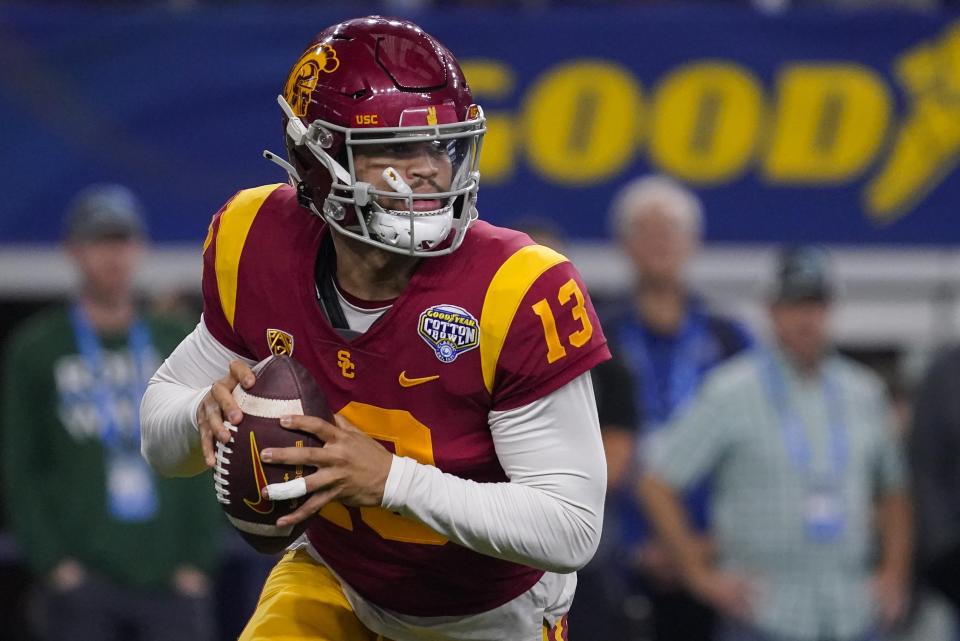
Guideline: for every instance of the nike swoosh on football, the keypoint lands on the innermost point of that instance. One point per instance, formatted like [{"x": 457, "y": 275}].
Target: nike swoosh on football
[
  {"x": 410, "y": 382},
  {"x": 261, "y": 505}
]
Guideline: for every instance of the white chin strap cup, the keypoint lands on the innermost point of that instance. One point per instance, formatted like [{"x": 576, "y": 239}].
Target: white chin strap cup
[{"x": 402, "y": 229}]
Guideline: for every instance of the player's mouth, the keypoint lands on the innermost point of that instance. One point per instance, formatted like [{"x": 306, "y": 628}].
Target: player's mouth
[{"x": 426, "y": 205}]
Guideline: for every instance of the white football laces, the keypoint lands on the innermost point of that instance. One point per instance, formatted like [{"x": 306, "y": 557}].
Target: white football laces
[{"x": 220, "y": 483}]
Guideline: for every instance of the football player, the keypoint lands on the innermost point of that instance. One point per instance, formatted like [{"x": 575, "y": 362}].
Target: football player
[{"x": 462, "y": 484}]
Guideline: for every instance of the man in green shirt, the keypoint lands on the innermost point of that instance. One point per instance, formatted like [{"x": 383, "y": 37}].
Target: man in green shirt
[
  {"x": 114, "y": 547},
  {"x": 806, "y": 475}
]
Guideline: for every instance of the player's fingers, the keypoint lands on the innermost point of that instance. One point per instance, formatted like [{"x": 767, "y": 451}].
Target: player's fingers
[
  {"x": 216, "y": 423},
  {"x": 287, "y": 490},
  {"x": 210, "y": 424},
  {"x": 310, "y": 507},
  {"x": 321, "y": 479},
  {"x": 208, "y": 414},
  {"x": 241, "y": 373},
  {"x": 345, "y": 424},
  {"x": 206, "y": 443},
  {"x": 317, "y": 426},
  {"x": 228, "y": 407},
  {"x": 312, "y": 456}
]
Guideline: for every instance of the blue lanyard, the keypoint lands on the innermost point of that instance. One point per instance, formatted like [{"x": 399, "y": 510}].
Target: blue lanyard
[
  {"x": 792, "y": 428},
  {"x": 91, "y": 351},
  {"x": 684, "y": 368}
]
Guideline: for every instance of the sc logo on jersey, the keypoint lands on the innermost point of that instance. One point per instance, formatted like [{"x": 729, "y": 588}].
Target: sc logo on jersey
[{"x": 449, "y": 330}]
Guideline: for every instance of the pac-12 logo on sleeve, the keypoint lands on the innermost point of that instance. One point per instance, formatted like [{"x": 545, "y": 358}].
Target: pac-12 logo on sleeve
[{"x": 449, "y": 330}]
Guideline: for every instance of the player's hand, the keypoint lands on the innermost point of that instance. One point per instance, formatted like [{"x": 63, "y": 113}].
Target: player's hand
[
  {"x": 732, "y": 595},
  {"x": 218, "y": 405},
  {"x": 351, "y": 467}
]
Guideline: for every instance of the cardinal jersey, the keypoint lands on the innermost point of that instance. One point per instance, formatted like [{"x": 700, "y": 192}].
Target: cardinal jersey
[{"x": 495, "y": 325}]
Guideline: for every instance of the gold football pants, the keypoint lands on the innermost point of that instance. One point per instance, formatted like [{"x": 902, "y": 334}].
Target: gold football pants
[{"x": 303, "y": 601}]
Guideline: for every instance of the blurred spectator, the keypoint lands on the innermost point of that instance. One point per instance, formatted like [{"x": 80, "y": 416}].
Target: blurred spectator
[
  {"x": 935, "y": 451},
  {"x": 669, "y": 341},
  {"x": 596, "y": 610},
  {"x": 801, "y": 448},
  {"x": 116, "y": 551}
]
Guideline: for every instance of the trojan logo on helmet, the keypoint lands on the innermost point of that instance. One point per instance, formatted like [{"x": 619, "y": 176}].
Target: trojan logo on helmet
[
  {"x": 303, "y": 80},
  {"x": 416, "y": 89}
]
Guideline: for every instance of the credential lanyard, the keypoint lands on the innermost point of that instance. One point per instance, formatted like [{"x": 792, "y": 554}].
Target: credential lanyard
[
  {"x": 792, "y": 428},
  {"x": 684, "y": 369},
  {"x": 103, "y": 396}
]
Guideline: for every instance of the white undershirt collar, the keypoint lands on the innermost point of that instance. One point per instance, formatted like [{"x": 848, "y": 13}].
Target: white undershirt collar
[{"x": 359, "y": 319}]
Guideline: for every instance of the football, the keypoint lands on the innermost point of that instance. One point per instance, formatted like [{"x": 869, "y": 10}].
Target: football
[{"x": 283, "y": 387}]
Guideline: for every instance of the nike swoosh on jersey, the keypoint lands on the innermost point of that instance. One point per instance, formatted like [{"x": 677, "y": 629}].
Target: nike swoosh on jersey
[
  {"x": 410, "y": 382},
  {"x": 261, "y": 505}
]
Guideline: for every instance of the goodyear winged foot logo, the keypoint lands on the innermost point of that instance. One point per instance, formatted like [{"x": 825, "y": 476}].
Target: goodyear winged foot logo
[
  {"x": 449, "y": 330},
  {"x": 927, "y": 146}
]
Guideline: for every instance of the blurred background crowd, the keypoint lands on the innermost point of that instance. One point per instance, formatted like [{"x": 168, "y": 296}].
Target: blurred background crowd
[{"x": 761, "y": 195}]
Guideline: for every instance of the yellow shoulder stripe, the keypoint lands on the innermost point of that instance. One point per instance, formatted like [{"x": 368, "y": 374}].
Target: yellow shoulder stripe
[
  {"x": 508, "y": 287},
  {"x": 235, "y": 223},
  {"x": 209, "y": 237}
]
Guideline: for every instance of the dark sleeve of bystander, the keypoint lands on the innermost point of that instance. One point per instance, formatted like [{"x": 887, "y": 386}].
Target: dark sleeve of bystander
[
  {"x": 934, "y": 447},
  {"x": 614, "y": 389},
  {"x": 619, "y": 415},
  {"x": 28, "y": 501}
]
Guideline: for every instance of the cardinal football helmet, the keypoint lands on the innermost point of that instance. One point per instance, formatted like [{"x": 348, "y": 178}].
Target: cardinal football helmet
[{"x": 384, "y": 82}]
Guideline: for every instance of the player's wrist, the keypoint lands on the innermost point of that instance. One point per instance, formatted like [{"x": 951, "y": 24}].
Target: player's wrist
[
  {"x": 196, "y": 406},
  {"x": 397, "y": 486},
  {"x": 382, "y": 472}
]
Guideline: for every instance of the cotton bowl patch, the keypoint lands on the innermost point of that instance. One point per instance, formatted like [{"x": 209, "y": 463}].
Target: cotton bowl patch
[{"x": 449, "y": 330}]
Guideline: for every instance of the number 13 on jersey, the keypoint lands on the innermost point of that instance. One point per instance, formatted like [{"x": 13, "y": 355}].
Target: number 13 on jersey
[{"x": 578, "y": 338}]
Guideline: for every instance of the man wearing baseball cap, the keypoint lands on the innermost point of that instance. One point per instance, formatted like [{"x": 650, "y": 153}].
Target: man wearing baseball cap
[
  {"x": 104, "y": 211},
  {"x": 799, "y": 442},
  {"x": 114, "y": 549}
]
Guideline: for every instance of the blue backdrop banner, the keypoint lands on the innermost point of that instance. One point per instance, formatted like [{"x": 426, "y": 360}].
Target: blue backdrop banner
[{"x": 841, "y": 128}]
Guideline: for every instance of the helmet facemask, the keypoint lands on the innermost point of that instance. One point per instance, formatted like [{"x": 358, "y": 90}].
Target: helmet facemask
[{"x": 392, "y": 214}]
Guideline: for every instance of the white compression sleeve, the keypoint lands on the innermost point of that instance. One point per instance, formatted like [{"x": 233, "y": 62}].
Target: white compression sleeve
[
  {"x": 549, "y": 515},
  {"x": 168, "y": 413}
]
